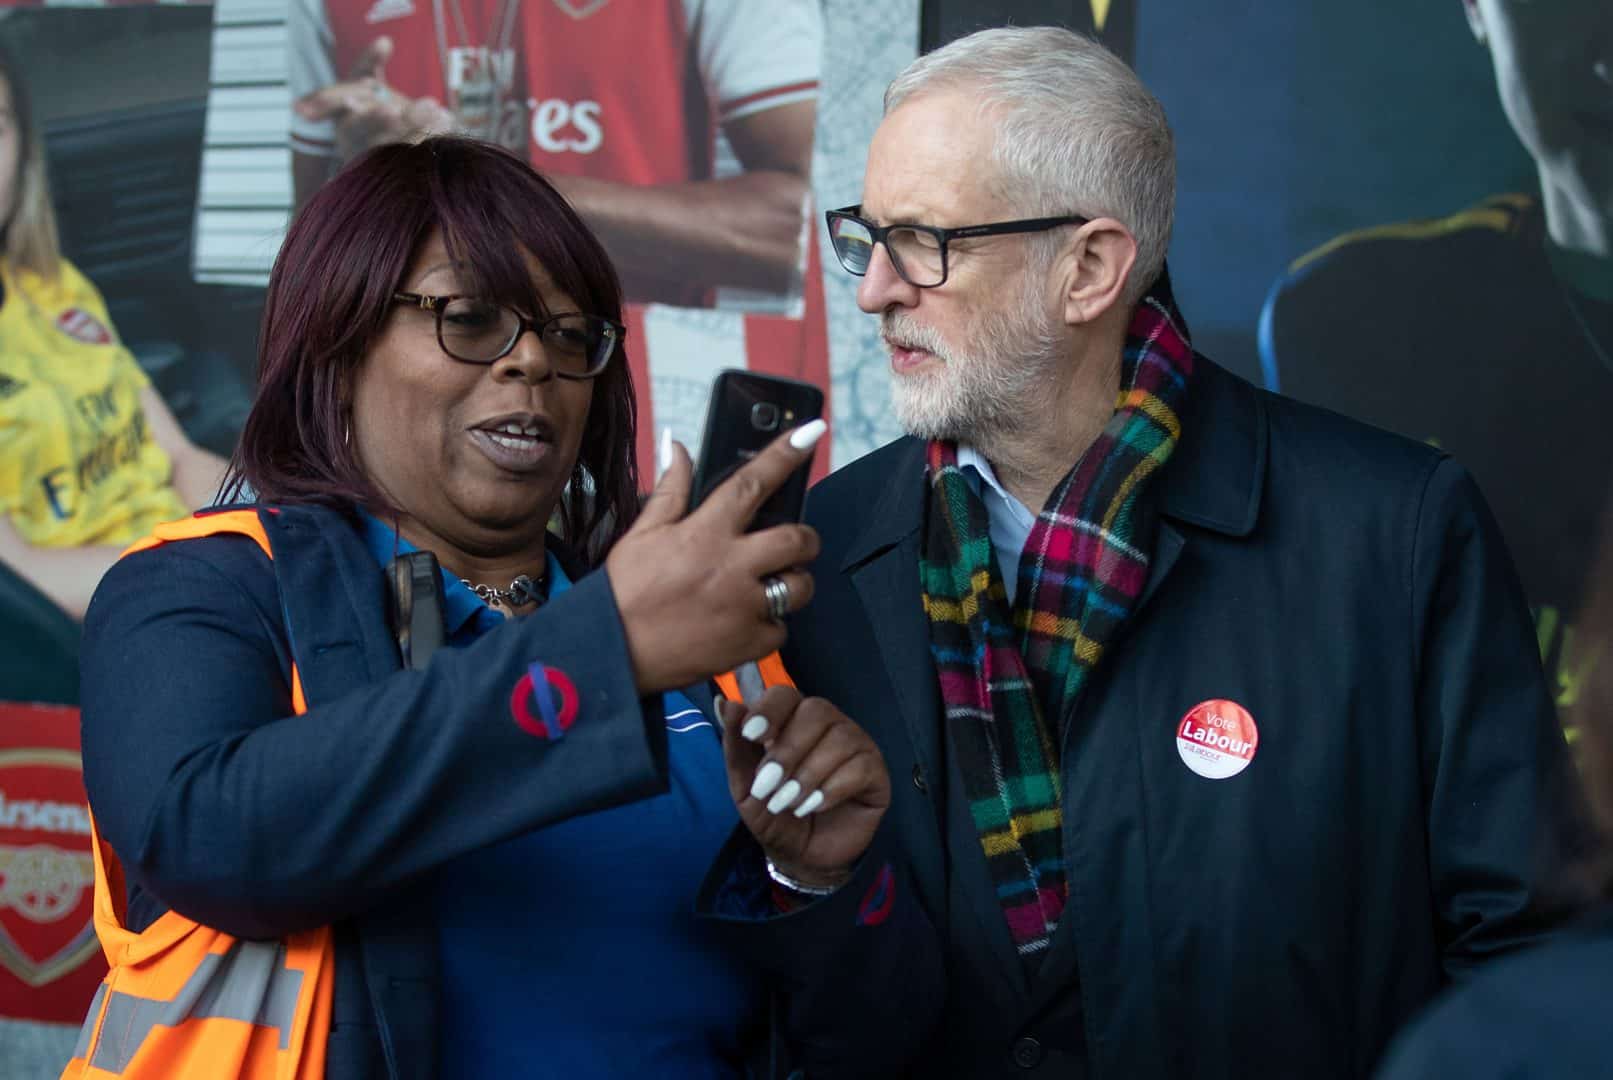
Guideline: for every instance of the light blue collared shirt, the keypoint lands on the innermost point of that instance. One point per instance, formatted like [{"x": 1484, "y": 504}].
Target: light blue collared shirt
[{"x": 1011, "y": 520}]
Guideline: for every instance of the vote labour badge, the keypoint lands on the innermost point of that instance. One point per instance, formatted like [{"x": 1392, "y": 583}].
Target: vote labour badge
[
  {"x": 50, "y": 962},
  {"x": 1217, "y": 739}
]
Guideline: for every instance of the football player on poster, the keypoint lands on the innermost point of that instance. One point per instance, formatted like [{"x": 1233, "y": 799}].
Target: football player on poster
[
  {"x": 621, "y": 104},
  {"x": 1490, "y": 332}
]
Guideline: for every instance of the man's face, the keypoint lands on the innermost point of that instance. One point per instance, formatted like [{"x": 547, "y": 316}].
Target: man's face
[
  {"x": 1554, "y": 70},
  {"x": 968, "y": 356}
]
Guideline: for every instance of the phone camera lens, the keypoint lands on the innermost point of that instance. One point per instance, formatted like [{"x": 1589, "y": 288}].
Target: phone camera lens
[{"x": 764, "y": 416}]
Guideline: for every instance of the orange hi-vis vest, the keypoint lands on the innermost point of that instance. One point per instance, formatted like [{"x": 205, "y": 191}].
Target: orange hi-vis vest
[{"x": 183, "y": 1001}]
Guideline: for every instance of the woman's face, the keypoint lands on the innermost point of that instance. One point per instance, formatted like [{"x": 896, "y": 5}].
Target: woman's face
[
  {"x": 10, "y": 154},
  {"x": 475, "y": 455}
]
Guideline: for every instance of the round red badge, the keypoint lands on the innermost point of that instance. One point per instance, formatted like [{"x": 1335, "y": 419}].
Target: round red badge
[{"x": 1217, "y": 739}]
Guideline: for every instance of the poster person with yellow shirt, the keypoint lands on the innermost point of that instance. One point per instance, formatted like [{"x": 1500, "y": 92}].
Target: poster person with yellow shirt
[{"x": 90, "y": 457}]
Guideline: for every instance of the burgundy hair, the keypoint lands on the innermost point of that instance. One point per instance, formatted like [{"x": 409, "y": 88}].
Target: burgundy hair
[{"x": 330, "y": 294}]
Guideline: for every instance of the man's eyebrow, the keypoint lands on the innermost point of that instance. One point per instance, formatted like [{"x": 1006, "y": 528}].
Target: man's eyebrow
[{"x": 914, "y": 217}]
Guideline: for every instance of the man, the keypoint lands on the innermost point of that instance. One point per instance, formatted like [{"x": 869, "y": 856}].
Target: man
[
  {"x": 1490, "y": 332},
  {"x": 1227, "y": 760},
  {"x": 620, "y": 104}
]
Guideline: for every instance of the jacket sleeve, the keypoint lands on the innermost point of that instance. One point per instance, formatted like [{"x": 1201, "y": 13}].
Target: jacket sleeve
[
  {"x": 859, "y": 973},
  {"x": 1503, "y": 808},
  {"x": 257, "y": 822}
]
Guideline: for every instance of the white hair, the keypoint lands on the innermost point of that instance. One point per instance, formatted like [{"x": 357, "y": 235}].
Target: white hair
[{"x": 1076, "y": 131}]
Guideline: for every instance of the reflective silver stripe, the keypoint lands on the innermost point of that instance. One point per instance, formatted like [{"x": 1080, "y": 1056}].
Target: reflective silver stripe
[
  {"x": 82, "y": 1047},
  {"x": 248, "y": 982},
  {"x": 749, "y": 677}
]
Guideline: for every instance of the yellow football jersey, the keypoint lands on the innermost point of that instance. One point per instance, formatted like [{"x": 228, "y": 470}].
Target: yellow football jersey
[{"x": 77, "y": 461}]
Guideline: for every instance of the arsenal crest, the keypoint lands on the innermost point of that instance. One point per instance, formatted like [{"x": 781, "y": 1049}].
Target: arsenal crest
[
  {"x": 50, "y": 962},
  {"x": 80, "y": 325},
  {"x": 580, "y": 9}
]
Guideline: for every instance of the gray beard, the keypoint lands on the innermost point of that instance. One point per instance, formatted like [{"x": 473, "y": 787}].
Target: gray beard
[{"x": 987, "y": 390}]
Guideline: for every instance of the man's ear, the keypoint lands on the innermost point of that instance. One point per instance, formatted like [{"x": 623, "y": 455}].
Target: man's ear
[
  {"x": 1475, "y": 21},
  {"x": 1097, "y": 264}
]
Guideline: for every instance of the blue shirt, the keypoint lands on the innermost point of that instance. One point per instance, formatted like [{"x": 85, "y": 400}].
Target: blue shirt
[
  {"x": 573, "y": 950},
  {"x": 1010, "y": 520}
]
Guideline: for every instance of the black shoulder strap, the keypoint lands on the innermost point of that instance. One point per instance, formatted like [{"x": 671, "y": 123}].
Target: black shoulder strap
[{"x": 414, "y": 586}]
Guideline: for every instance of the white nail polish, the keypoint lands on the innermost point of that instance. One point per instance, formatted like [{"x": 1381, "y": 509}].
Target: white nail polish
[
  {"x": 809, "y": 804},
  {"x": 786, "y": 795},
  {"x": 663, "y": 454},
  {"x": 755, "y": 727},
  {"x": 807, "y": 435},
  {"x": 767, "y": 778}
]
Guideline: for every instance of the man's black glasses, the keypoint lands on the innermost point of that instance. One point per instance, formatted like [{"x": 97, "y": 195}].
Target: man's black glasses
[
  {"x": 918, "y": 252},
  {"x": 478, "y": 331}
]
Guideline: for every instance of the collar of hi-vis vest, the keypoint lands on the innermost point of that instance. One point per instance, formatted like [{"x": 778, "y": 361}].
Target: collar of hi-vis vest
[{"x": 1010, "y": 672}]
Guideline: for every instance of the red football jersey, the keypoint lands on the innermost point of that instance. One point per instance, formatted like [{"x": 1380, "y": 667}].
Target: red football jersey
[{"x": 631, "y": 90}]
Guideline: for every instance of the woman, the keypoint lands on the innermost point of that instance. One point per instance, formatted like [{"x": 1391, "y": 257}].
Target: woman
[
  {"x": 90, "y": 457},
  {"x": 506, "y": 837},
  {"x": 1535, "y": 1015}
]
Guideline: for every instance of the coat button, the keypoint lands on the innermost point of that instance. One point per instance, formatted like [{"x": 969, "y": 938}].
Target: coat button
[
  {"x": 919, "y": 781},
  {"x": 1027, "y": 1052}
]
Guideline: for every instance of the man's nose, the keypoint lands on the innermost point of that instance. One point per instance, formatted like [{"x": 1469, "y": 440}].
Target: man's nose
[{"x": 882, "y": 286}]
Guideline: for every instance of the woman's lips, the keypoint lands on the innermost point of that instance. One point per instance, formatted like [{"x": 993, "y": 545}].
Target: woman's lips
[{"x": 517, "y": 453}]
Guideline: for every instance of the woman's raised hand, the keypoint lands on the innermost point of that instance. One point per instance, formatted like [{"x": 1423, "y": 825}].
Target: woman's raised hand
[{"x": 689, "y": 584}]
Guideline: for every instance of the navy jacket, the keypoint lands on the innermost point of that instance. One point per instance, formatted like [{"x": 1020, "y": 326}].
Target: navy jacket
[
  {"x": 1346, "y": 587},
  {"x": 224, "y": 806}
]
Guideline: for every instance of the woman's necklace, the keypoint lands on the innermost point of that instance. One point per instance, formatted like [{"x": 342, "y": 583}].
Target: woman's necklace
[{"x": 522, "y": 591}]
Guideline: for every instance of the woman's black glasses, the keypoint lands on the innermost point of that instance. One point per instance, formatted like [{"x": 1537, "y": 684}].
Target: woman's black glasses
[{"x": 478, "y": 331}]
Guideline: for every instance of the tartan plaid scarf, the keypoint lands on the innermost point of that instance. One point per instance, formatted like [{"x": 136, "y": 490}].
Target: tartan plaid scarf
[{"x": 1008, "y": 675}]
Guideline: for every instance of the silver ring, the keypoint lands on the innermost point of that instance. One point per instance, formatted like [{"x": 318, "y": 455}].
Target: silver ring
[{"x": 777, "y": 592}]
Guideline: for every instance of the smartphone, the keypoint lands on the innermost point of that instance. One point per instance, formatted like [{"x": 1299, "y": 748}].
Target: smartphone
[{"x": 748, "y": 411}]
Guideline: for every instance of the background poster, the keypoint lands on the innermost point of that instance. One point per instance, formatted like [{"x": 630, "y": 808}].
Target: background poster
[
  {"x": 1404, "y": 212},
  {"x": 1400, "y": 211}
]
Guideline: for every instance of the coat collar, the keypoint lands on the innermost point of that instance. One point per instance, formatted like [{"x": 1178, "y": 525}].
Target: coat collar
[
  {"x": 1213, "y": 481},
  {"x": 899, "y": 511},
  {"x": 1217, "y": 475}
]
